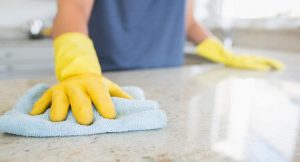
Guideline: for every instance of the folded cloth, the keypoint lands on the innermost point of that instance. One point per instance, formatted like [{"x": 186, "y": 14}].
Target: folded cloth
[{"x": 132, "y": 115}]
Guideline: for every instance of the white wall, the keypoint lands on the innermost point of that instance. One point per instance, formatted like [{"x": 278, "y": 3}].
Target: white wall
[{"x": 17, "y": 13}]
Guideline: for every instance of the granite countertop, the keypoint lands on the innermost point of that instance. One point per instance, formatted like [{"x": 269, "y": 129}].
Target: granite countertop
[{"x": 197, "y": 128}]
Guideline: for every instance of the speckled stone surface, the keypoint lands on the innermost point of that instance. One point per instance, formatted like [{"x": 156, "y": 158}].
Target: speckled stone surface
[{"x": 188, "y": 95}]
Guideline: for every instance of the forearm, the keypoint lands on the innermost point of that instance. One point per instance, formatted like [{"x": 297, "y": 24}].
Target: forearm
[
  {"x": 72, "y": 16},
  {"x": 74, "y": 51},
  {"x": 195, "y": 32}
]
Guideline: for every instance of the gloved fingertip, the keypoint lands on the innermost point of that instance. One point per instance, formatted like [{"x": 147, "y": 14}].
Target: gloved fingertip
[
  {"x": 279, "y": 67},
  {"x": 110, "y": 114},
  {"x": 85, "y": 121},
  {"x": 126, "y": 96},
  {"x": 56, "y": 117},
  {"x": 262, "y": 67},
  {"x": 129, "y": 97},
  {"x": 35, "y": 111}
]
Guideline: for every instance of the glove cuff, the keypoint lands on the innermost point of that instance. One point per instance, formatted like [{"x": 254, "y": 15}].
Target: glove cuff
[
  {"x": 75, "y": 55},
  {"x": 212, "y": 49},
  {"x": 210, "y": 44}
]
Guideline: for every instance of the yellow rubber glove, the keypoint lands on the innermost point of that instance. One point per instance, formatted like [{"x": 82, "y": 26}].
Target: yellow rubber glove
[
  {"x": 81, "y": 83},
  {"x": 213, "y": 50}
]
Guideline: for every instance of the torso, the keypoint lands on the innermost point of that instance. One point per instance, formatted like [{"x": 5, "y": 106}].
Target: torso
[{"x": 131, "y": 34}]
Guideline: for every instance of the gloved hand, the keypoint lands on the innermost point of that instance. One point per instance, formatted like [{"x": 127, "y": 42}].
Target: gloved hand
[
  {"x": 81, "y": 83},
  {"x": 213, "y": 50}
]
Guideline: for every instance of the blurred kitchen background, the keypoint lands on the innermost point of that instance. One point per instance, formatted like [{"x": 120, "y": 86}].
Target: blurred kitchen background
[{"x": 265, "y": 25}]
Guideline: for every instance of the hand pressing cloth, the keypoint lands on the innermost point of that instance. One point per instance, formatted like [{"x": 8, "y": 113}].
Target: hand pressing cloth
[{"x": 132, "y": 115}]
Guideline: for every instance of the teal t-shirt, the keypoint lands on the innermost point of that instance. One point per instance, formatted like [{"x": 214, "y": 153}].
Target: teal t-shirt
[{"x": 132, "y": 34}]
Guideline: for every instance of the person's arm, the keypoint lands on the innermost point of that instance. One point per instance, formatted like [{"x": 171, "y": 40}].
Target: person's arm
[
  {"x": 77, "y": 69},
  {"x": 195, "y": 31},
  {"x": 211, "y": 48},
  {"x": 72, "y": 16}
]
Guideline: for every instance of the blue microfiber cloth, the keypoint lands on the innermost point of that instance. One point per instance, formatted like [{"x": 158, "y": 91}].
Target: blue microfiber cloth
[{"x": 132, "y": 115}]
